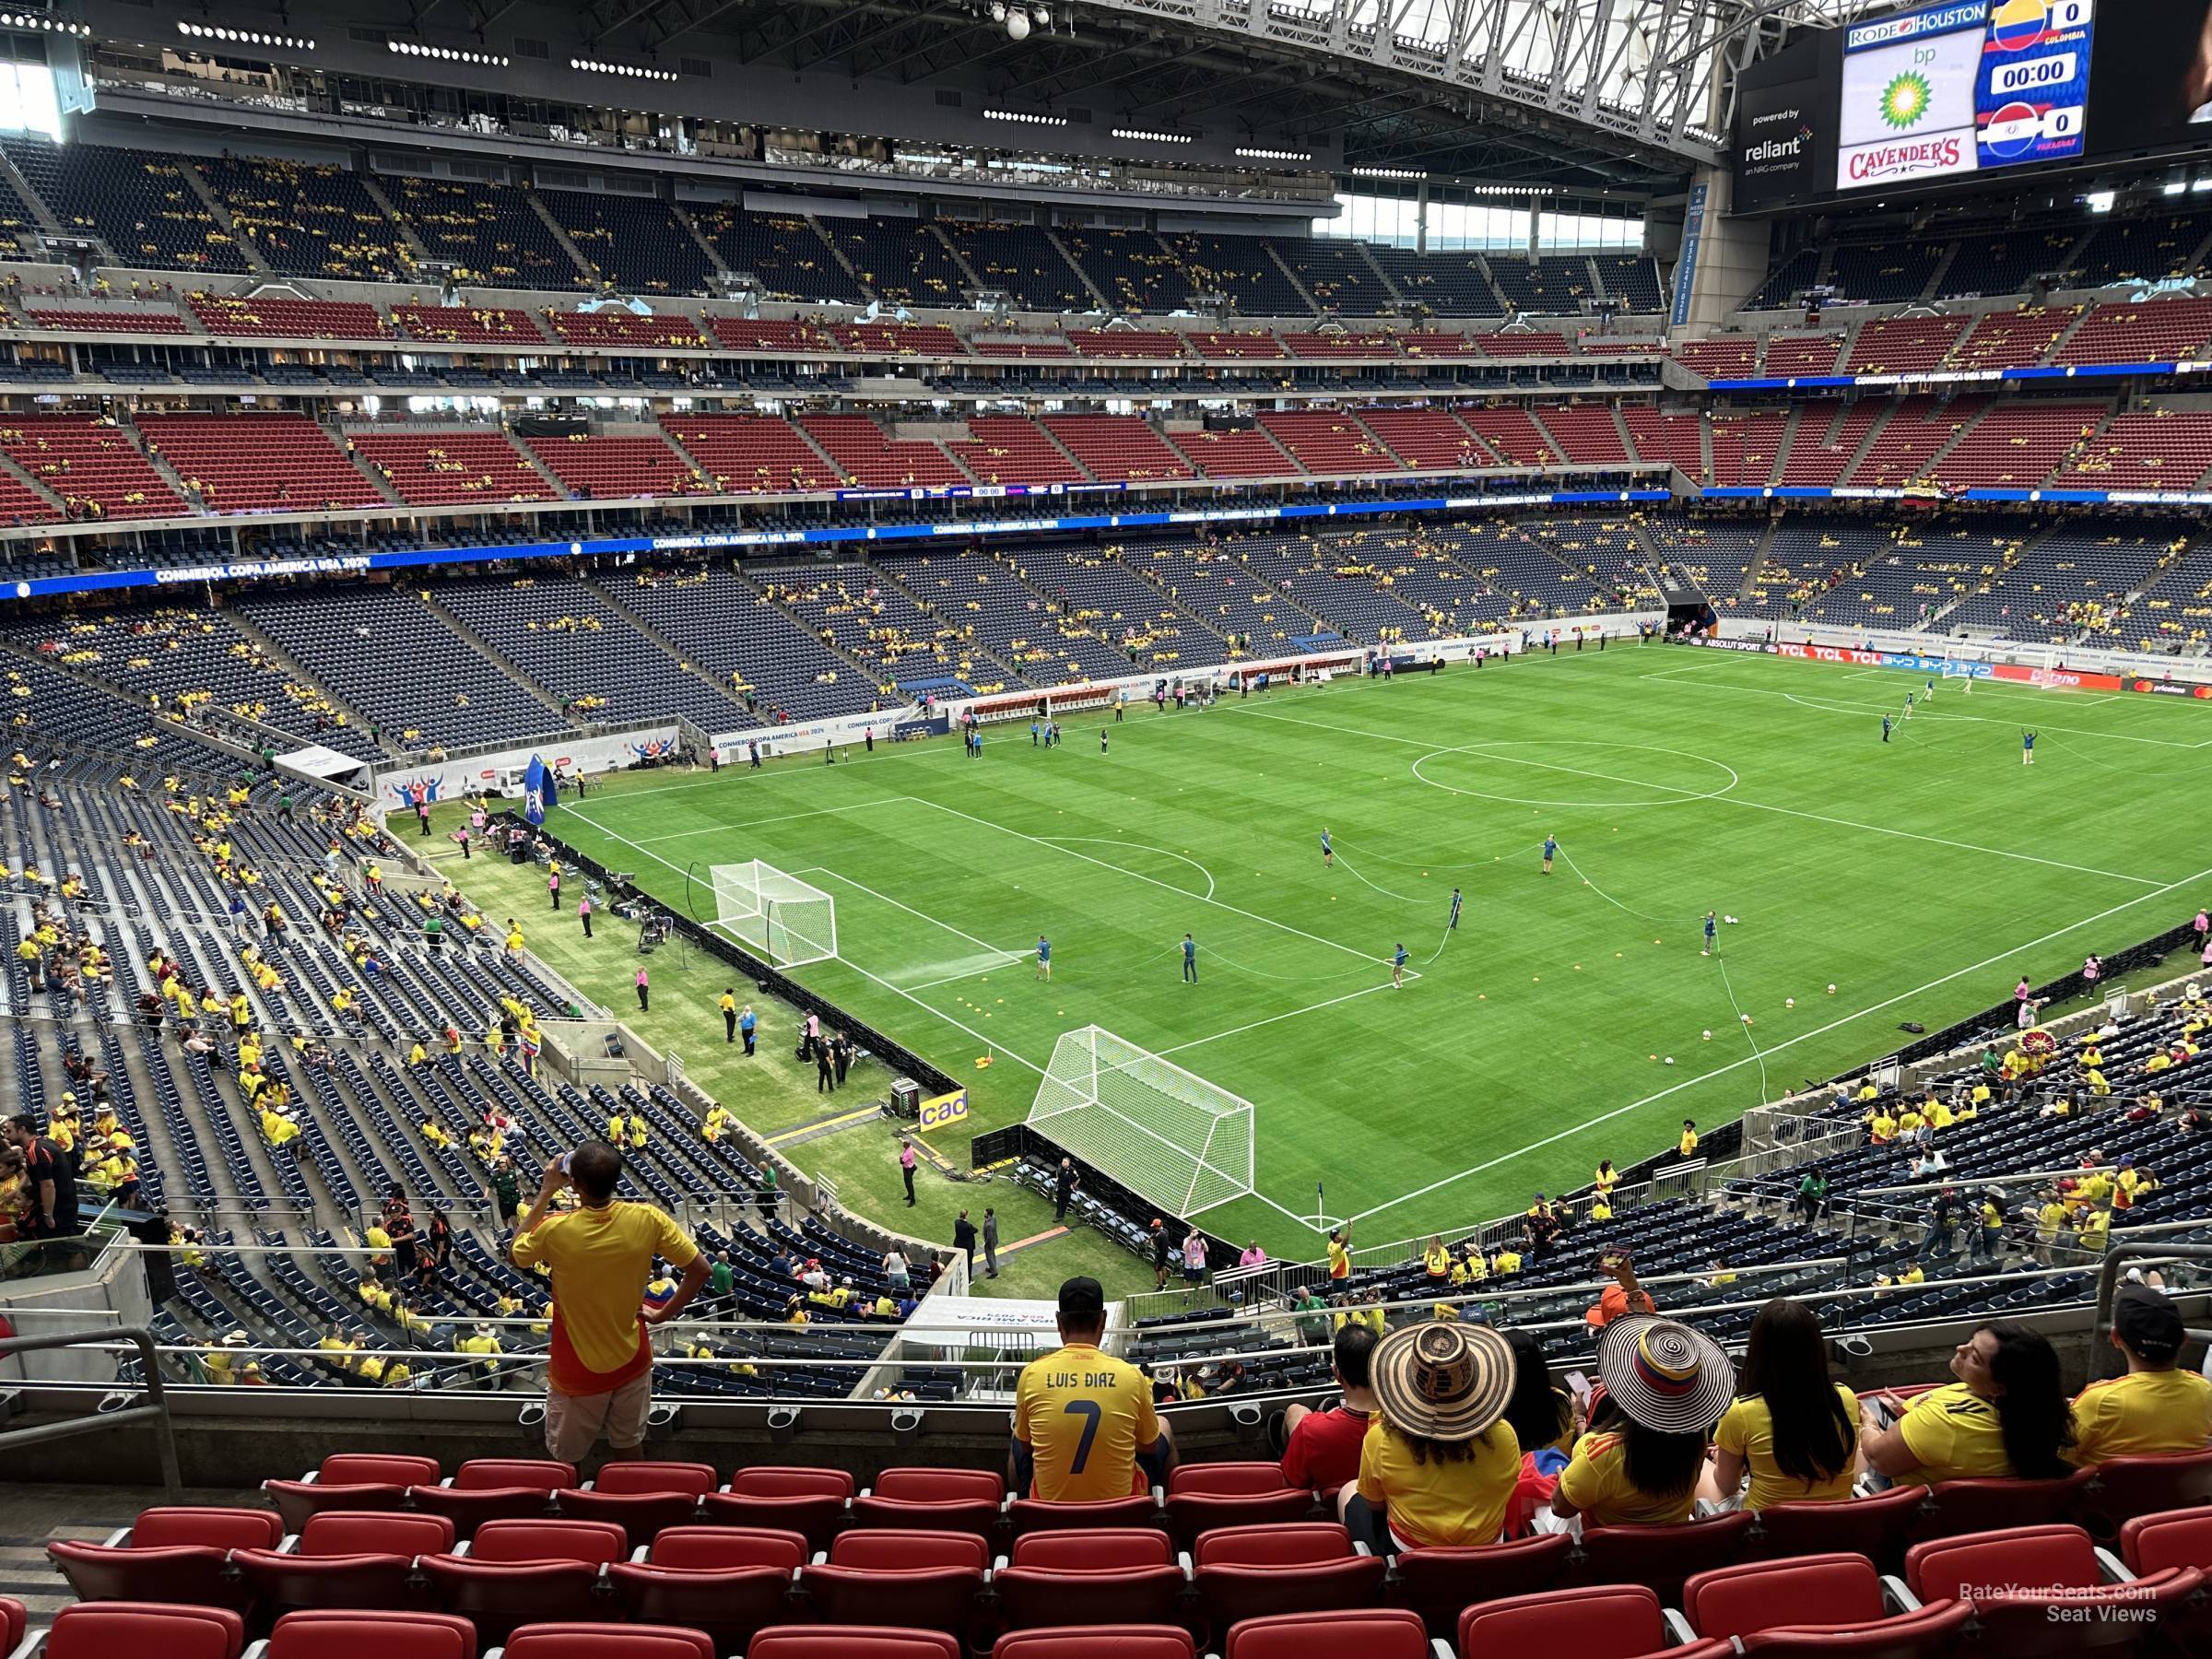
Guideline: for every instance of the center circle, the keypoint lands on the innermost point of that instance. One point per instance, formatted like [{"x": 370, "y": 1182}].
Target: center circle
[{"x": 1583, "y": 760}]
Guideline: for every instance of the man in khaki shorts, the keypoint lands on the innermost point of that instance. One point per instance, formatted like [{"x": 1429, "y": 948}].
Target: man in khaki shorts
[{"x": 600, "y": 1377}]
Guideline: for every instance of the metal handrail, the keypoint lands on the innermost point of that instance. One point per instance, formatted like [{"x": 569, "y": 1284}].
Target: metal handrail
[{"x": 155, "y": 1410}]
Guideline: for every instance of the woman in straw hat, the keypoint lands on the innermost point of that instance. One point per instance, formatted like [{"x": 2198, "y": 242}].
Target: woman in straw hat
[
  {"x": 1665, "y": 1387},
  {"x": 1439, "y": 1464}
]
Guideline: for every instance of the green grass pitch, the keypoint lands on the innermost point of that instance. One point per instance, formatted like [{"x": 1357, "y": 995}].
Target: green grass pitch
[{"x": 1921, "y": 876}]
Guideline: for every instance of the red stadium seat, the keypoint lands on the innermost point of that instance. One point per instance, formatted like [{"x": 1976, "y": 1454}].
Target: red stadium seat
[
  {"x": 350, "y": 1480},
  {"x": 937, "y": 1500},
  {"x": 1243, "y": 1572},
  {"x": 1224, "y": 1479},
  {"x": 2179, "y": 1538},
  {"x": 1605, "y": 1621},
  {"x": 1202, "y": 1496},
  {"x": 1934, "y": 1632},
  {"x": 1371, "y": 1632},
  {"x": 1125, "y": 1575},
  {"x": 358, "y": 1635},
  {"x": 364, "y": 1561},
  {"x": 1958, "y": 1507},
  {"x": 1814, "y": 1590},
  {"x": 812, "y": 1502},
  {"x": 727, "y": 1580},
  {"x": 14, "y": 1621},
  {"x": 642, "y": 1497},
  {"x": 1659, "y": 1558},
  {"x": 1877, "y": 1527},
  {"x": 1096, "y": 1642},
  {"x": 575, "y": 1641},
  {"x": 517, "y": 1571},
  {"x": 170, "y": 1555},
  {"x": 102, "y": 1629},
  {"x": 926, "y": 1580},
  {"x": 1034, "y": 1514},
  {"x": 852, "y": 1641},
  {"x": 1439, "y": 1583},
  {"x": 495, "y": 1489},
  {"x": 2123, "y": 1488},
  {"x": 2042, "y": 1590}
]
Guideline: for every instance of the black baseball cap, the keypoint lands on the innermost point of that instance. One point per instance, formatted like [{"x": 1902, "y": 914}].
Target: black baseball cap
[
  {"x": 2144, "y": 1320},
  {"x": 1082, "y": 1298}
]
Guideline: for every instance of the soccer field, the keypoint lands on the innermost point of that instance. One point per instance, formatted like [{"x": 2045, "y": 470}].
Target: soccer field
[{"x": 1921, "y": 876}]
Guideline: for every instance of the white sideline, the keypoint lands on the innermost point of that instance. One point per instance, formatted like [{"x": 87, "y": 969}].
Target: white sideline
[{"x": 1649, "y": 1099}]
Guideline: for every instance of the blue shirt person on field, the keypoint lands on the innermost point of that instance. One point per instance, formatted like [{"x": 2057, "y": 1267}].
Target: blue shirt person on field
[
  {"x": 1190, "y": 959},
  {"x": 1551, "y": 848},
  {"x": 1712, "y": 928},
  {"x": 2027, "y": 748},
  {"x": 1885, "y": 728},
  {"x": 1034, "y": 730},
  {"x": 1328, "y": 853},
  {"x": 1101, "y": 740},
  {"x": 1455, "y": 908},
  {"x": 1397, "y": 968},
  {"x": 1044, "y": 958}
]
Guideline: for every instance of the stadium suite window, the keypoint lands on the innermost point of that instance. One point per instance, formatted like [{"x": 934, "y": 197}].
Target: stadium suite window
[
  {"x": 27, "y": 103},
  {"x": 1395, "y": 221}
]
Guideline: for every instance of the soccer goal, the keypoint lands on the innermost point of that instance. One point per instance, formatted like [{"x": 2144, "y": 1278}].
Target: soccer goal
[
  {"x": 1164, "y": 1132},
  {"x": 787, "y": 921}
]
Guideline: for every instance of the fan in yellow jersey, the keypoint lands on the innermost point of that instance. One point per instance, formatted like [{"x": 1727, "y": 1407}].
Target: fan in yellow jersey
[
  {"x": 2006, "y": 1417},
  {"x": 1083, "y": 1421},
  {"x": 2157, "y": 1407}
]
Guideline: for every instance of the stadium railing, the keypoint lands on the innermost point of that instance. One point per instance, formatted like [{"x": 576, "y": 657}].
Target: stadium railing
[{"x": 153, "y": 1412}]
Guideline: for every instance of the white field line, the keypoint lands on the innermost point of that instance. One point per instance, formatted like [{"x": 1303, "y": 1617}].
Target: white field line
[
  {"x": 1649, "y": 1099},
  {"x": 1289, "y": 1014},
  {"x": 1713, "y": 685},
  {"x": 1736, "y": 800},
  {"x": 909, "y": 910}
]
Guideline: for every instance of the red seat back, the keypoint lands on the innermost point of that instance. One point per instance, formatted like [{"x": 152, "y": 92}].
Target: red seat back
[
  {"x": 1192, "y": 1513},
  {"x": 880, "y": 1550},
  {"x": 1606, "y": 1621},
  {"x": 102, "y": 1629},
  {"x": 1096, "y": 1641},
  {"x": 357, "y": 1635},
  {"x": 1930, "y": 1633},
  {"x": 1958, "y": 1507},
  {"x": 377, "y": 1469},
  {"x": 1290, "y": 1546},
  {"x": 1815, "y": 1590},
  {"x": 2045, "y": 1556},
  {"x": 814, "y": 1516},
  {"x": 640, "y": 1475},
  {"x": 1033, "y": 1514},
  {"x": 1659, "y": 1558},
  {"x": 1371, "y": 1632},
  {"x": 1439, "y": 1583},
  {"x": 1100, "y": 1550},
  {"x": 940, "y": 1486},
  {"x": 640, "y": 1515},
  {"x": 2181, "y": 1539},
  {"x": 607, "y": 1641},
  {"x": 1224, "y": 1479},
  {"x": 1877, "y": 1527},
  {"x": 14, "y": 1621},
  {"x": 852, "y": 1641},
  {"x": 189, "y": 1574},
  {"x": 725, "y": 1546},
  {"x": 507, "y": 1541},
  {"x": 769, "y": 1480},
  {"x": 503, "y": 1474},
  {"x": 216, "y": 1529},
  {"x": 2122, "y": 1487},
  {"x": 340, "y": 1532}
]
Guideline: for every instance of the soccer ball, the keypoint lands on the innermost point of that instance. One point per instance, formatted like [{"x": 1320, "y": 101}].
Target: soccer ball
[
  {"x": 1670, "y": 1059},
  {"x": 1746, "y": 1019},
  {"x": 1706, "y": 1037},
  {"x": 1789, "y": 1002},
  {"x": 1832, "y": 989}
]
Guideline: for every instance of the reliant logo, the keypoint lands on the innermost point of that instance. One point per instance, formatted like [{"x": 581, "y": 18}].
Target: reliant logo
[
  {"x": 1893, "y": 160},
  {"x": 1776, "y": 150}
]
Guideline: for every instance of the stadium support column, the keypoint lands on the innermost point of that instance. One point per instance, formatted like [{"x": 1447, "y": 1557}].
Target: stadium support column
[{"x": 1719, "y": 258}]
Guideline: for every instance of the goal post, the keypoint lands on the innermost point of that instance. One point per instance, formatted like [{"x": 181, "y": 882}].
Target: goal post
[
  {"x": 1166, "y": 1133},
  {"x": 778, "y": 915}
]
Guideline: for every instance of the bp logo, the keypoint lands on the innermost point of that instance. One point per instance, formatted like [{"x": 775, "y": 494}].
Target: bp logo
[{"x": 1906, "y": 100}]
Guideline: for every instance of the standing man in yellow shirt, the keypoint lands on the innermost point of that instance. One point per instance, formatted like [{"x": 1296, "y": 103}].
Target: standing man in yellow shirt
[
  {"x": 1340, "y": 1254},
  {"x": 1688, "y": 1145},
  {"x": 600, "y": 1375},
  {"x": 2157, "y": 1407},
  {"x": 1084, "y": 1422}
]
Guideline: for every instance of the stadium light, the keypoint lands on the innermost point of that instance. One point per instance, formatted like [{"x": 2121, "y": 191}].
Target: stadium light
[
  {"x": 1024, "y": 118},
  {"x": 1253, "y": 153},
  {"x": 634, "y": 71},
  {"x": 224, "y": 37},
  {"x": 1142, "y": 137},
  {"x": 46, "y": 25},
  {"x": 1390, "y": 173},
  {"x": 448, "y": 53}
]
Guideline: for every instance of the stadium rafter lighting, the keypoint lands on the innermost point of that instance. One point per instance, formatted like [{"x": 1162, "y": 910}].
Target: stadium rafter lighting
[
  {"x": 1255, "y": 153},
  {"x": 1390, "y": 173},
  {"x": 1025, "y": 118},
  {"x": 1141, "y": 135},
  {"x": 633, "y": 71},
  {"x": 200, "y": 32},
  {"x": 451, "y": 54}
]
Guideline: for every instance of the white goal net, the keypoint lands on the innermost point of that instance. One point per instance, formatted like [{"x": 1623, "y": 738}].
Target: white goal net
[
  {"x": 1164, "y": 1132},
  {"x": 788, "y": 923}
]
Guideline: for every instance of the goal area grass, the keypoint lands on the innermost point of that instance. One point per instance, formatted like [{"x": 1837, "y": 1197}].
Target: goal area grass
[{"x": 1565, "y": 1018}]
